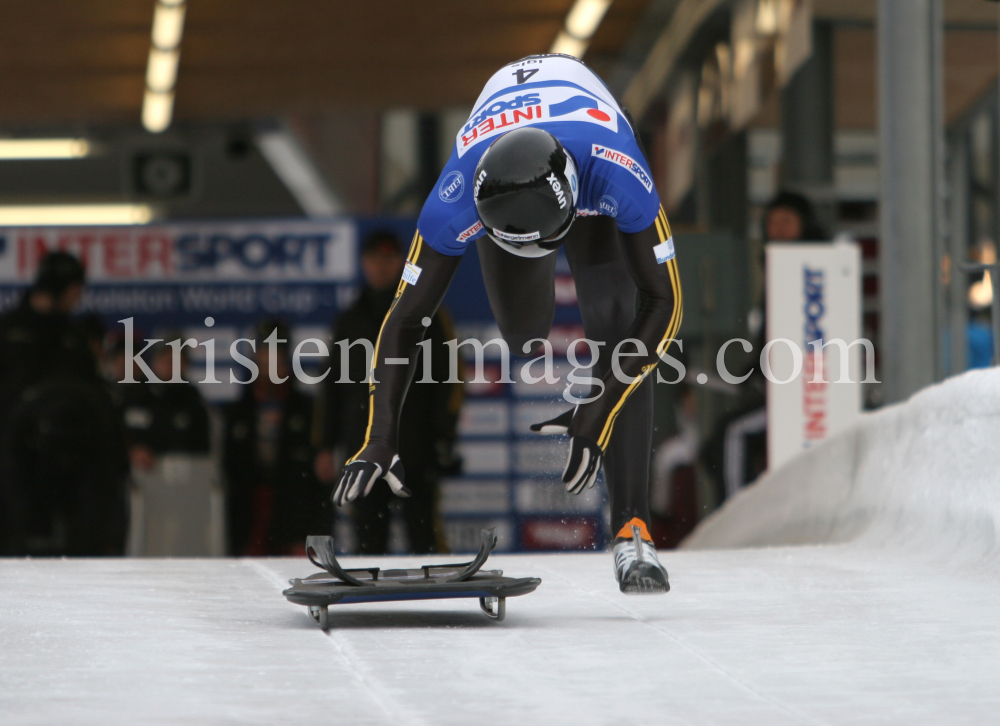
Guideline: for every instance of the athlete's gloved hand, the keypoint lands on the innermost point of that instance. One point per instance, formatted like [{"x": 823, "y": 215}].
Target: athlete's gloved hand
[
  {"x": 371, "y": 464},
  {"x": 558, "y": 425},
  {"x": 582, "y": 465}
]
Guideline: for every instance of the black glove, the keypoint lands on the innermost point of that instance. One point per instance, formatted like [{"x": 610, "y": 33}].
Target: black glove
[
  {"x": 582, "y": 465},
  {"x": 371, "y": 464},
  {"x": 557, "y": 425}
]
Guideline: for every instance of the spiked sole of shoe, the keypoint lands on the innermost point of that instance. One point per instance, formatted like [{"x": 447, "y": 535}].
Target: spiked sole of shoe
[{"x": 644, "y": 586}]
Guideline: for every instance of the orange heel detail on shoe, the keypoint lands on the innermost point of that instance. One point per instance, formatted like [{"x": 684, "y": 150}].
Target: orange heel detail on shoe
[{"x": 626, "y": 531}]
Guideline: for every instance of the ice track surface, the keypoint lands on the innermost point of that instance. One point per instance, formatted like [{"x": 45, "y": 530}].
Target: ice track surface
[
  {"x": 781, "y": 636},
  {"x": 888, "y": 616}
]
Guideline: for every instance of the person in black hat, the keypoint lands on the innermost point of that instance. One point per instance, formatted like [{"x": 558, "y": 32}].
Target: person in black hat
[
  {"x": 38, "y": 339},
  {"x": 62, "y": 457}
]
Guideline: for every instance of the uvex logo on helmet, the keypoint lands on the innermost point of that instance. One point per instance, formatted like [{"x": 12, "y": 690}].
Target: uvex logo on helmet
[
  {"x": 553, "y": 181},
  {"x": 525, "y": 193}
]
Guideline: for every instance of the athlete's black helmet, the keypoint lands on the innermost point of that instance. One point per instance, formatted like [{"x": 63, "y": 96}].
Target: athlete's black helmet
[{"x": 525, "y": 189}]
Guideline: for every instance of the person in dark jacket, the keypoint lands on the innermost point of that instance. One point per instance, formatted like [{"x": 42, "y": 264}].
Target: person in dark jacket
[
  {"x": 38, "y": 338},
  {"x": 428, "y": 420},
  {"x": 160, "y": 417},
  {"x": 91, "y": 327},
  {"x": 274, "y": 500},
  {"x": 63, "y": 465}
]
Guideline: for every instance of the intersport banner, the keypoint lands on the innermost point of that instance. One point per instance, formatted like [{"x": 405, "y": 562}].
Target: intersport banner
[
  {"x": 813, "y": 320},
  {"x": 174, "y": 275}
]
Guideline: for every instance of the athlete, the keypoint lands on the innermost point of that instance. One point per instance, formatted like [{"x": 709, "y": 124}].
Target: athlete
[{"x": 547, "y": 158}]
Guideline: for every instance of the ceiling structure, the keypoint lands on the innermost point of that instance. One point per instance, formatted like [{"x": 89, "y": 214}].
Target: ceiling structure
[
  {"x": 71, "y": 62},
  {"x": 83, "y": 63},
  {"x": 327, "y": 69}
]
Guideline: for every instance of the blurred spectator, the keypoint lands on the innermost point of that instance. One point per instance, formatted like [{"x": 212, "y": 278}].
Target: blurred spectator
[
  {"x": 790, "y": 218},
  {"x": 735, "y": 453},
  {"x": 93, "y": 330},
  {"x": 427, "y": 423},
  {"x": 163, "y": 418},
  {"x": 116, "y": 363},
  {"x": 979, "y": 353},
  {"x": 62, "y": 459},
  {"x": 40, "y": 340},
  {"x": 274, "y": 499},
  {"x": 979, "y": 330}
]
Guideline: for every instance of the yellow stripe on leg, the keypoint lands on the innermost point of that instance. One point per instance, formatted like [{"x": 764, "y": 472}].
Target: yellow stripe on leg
[
  {"x": 672, "y": 328},
  {"x": 416, "y": 246},
  {"x": 609, "y": 425}
]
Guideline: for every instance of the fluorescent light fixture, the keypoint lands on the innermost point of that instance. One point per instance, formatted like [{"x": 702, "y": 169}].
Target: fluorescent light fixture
[
  {"x": 161, "y": 72},
  {"x": 43, "y": 148},
  {"x": 31, "y": 215},
  {"x": 566, "y": 43},
  {"x": 157, "y": 110},
  {"x": 585, "y": 16},
  {"x": 768, "y": 17},
  {"x": 161, "y": 69},
  {"x": 581, "y": 23},
  {"x": 168, "y": 25}
]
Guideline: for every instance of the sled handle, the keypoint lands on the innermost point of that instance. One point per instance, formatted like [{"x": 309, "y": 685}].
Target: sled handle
[
  {"x": 322, "y": 547},
  {"x": 487, "y": 542},
  {"x": 320, "y": 551}
]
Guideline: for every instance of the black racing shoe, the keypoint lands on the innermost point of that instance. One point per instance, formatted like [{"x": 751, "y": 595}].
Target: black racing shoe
[{"x": 637, "y": 568}]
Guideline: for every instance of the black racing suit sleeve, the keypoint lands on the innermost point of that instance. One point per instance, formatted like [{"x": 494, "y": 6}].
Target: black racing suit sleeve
[
  {"x": 657, "y": 320},
  {"x": 401, "y": 332}
]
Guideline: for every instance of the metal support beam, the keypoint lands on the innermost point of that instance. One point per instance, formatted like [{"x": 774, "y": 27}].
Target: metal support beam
[
  {"x": 911, "y": 150},
  {"x": 807, "y": 127},
  {"x": 726, "y": 183},
  {"x": 958, "y": 250}
]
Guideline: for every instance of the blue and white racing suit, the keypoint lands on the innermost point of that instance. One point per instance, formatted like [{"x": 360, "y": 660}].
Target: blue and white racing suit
[{"x": 561, "y": 95}]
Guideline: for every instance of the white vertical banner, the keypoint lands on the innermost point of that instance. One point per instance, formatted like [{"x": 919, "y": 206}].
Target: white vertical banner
[{"x": 813, "y": 293}]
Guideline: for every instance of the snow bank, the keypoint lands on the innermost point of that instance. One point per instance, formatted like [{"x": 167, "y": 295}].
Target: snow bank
[{"x": 924, "y": 474}]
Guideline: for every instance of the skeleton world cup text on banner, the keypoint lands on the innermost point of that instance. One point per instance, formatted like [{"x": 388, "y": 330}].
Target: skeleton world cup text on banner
[
  {"x": 175, "y": 275},
  {"x": 813, "y": 322}
]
